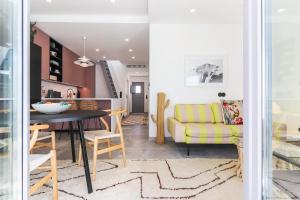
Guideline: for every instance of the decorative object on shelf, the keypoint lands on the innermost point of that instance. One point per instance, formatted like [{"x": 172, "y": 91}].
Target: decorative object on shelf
[
  {"x": 159, "y": 119},
  {"x": 51, "y": 108},
  {"x": 84, "y": 61},
  {"x": 32, "y": 31},
  {"x": 70, "y": 93},
  {"x": 55, "y": 69},
  {"x": 205, "y": 71}
]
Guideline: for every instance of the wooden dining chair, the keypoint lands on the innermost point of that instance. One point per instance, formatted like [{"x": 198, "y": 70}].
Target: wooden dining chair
[
  {"x": 37, "y": 160},
  {"x": 96, "y": 137},
  {"x": 46, "y": 139}
]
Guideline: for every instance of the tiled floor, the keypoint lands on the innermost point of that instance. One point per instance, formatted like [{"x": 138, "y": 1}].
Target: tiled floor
[{"x": 138, "y": 146}]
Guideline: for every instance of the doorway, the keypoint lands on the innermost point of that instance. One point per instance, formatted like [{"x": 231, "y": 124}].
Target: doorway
[{"x": 137, "y": 91}]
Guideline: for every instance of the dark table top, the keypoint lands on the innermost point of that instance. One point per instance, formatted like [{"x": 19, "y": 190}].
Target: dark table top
[{"x": 71, "y": 115}]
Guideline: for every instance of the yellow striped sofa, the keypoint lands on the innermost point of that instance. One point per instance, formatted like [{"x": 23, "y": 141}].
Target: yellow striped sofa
[{"x": 202, "y": 124}]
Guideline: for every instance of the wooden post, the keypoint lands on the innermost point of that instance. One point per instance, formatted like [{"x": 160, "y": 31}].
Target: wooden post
[{"x": 159, "y": 119}]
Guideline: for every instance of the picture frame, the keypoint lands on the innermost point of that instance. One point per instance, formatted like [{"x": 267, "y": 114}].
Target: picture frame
[{"x": 205, "y": 71}]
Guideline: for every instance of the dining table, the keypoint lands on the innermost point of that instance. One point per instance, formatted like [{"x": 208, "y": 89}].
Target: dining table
[{"x": 78, "y": 116}]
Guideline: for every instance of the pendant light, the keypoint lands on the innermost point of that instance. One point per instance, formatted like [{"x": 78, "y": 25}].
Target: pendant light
[{"x": 84, "y": 61}]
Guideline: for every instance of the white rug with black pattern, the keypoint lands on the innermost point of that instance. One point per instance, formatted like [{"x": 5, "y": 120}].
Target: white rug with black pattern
[{"x": 207, "y": 179}]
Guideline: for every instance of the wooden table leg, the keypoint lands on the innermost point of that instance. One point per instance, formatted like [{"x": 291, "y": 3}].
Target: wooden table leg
[
  {"x": 72, "y": 141},
  {"x": 85, "y": 157}
]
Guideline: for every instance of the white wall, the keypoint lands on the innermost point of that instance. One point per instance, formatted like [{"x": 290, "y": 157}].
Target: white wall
[
  {"x": 170, "y": 43},
  {"x": 101, "y": 88}
]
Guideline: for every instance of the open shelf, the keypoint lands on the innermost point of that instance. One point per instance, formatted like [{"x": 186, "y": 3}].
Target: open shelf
[{"x": 56, "y": 61}]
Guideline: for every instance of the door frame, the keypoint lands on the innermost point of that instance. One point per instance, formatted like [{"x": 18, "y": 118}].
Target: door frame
[
  {"x": 24, "y": 96},
  {"x": 254, "y": 90},
  {"x": 136, "y": 78},
  {"x": 140, "y": 83},
  {"x": 254, "y": 87}
]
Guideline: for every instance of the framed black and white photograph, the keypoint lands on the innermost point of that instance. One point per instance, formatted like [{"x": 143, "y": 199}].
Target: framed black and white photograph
[{"x": 205, "y": 70}]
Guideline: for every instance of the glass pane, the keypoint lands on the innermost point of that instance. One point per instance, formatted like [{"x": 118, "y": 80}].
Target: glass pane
[
  {"x": 10, "y": 60},
  {"x": 138, "y": 89},
  {"x": 283, "y": 104}
]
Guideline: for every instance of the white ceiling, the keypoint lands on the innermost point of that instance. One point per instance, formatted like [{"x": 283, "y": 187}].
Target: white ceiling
[
  {"x": 207, "y": 11},
  {"x": 107, "y": 24},
  {"x": 90, "y": 7},
  {"x": 108, "y": 37}
]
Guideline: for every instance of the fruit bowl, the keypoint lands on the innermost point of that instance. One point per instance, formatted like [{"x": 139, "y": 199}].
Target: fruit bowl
[{"x": 51, "y": 108}]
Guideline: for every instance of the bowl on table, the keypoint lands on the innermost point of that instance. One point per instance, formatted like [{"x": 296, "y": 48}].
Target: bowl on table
[{"x": 51, "y": 108}]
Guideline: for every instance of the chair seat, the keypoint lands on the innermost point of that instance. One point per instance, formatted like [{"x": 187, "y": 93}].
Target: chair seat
[
  {"x": 36, "y": 160},
  {"x": 100, "y": 134},
  {"x": 44, "y": 135}
]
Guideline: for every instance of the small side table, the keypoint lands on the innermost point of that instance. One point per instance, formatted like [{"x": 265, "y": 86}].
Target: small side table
[{"x": 240, "y": 164}]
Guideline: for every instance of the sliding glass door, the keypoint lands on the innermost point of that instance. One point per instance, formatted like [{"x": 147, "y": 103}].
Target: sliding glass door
[
  {"x": 11, "y": 99},
  {"x": 281, "y": 137}
]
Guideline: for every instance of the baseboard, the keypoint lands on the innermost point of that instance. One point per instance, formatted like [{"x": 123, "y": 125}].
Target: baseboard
[{"x": 168, "y": 139}]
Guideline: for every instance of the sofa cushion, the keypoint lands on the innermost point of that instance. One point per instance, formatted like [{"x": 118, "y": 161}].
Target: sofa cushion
[
  {"x": 194, "y": 113},
  {"x": 217, "y": 112},
  {"x": 218, "y": 130},
  {"x": 233, "y": 112}
]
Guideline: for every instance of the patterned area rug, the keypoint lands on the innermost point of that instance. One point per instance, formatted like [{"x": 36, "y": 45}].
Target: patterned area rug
[
  {"x": 134, "y": 119},
  {"x": 196, "y": 179}
]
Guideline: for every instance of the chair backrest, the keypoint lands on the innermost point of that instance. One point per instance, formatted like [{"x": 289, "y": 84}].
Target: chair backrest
[
  {"x": 117, "y": 114},
  {"x": 4, "y": 129},
  {"x": 34, "y": 129}
]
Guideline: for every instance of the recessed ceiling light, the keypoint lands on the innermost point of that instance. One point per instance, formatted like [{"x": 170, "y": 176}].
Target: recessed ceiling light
[
  {"x": 126, "y": 39},
  {"x": 133, "y": 57},
  {"x": 97, "y": 50},
  {"x": 104, "y": 57},
  {"x": 193, "y": 10},
  {"x": 281, "y": 10},
  {"x": 130, "y": 50},
  {"x": 48, "y": 1},
  {"x": 112, "y": 1}
]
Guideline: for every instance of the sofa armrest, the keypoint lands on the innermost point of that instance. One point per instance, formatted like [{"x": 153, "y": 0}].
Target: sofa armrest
[
  {"x": 176, "y": 129},
  {"x": 279, "y": 130}
]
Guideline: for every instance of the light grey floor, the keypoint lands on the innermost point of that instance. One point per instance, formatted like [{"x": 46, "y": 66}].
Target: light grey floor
[{"x": 138, "y": 146}]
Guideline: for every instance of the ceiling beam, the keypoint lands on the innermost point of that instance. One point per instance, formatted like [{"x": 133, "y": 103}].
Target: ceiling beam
[{"x": 90, "y": 19}]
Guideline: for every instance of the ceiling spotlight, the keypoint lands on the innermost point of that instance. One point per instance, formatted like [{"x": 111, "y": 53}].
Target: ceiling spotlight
[
  {"x": 193, "y": 10},
  {"x": 104, "y": 57},
  {"x": 126, "y": 39},
  {"x": 281, "y": 10},
  {"x": 130, "y": 50},
  {"x": 97, "y": 50},
  {"x": 48, "y": 1},
  {"x": 133, "y": 57}
]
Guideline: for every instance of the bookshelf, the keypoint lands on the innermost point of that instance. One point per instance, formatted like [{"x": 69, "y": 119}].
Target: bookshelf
[{"x": 56, "y": 61}]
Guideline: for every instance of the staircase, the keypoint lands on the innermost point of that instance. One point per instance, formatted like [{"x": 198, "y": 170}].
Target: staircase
[{"x": 108, "y": 79}]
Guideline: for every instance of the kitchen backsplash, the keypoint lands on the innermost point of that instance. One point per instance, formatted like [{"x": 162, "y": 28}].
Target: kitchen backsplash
[{"x": 65, "y": 90}]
